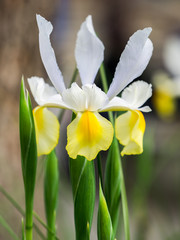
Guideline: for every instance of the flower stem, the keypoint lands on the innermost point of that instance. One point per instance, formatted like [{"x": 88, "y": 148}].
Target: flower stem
[
  {"x": 100, "y": 169},
  {"x": 103, "y": 78},
  {"x": 123, "y": 188},
  {"x": 105, "y": 87},
  {"x": 74, "y": 76},
  {"x": 124, "y": 205},
  {"x": 29, "y": 233}
]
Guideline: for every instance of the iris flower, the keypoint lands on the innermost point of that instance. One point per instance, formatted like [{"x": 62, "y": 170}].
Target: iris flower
[
  {"x": 90, "y": 132},
  {"x": 167, "y": 91},
  {"x": 167, "y": 86}
]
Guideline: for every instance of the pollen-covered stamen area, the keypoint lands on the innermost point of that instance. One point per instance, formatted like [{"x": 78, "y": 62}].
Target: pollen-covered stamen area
[{"x": 89, "y": 130}]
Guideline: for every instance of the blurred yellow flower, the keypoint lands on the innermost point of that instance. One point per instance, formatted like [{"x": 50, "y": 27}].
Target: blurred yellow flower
[
  {"x": 167, "y": 85},
  {"x": 166, "y": 91}
]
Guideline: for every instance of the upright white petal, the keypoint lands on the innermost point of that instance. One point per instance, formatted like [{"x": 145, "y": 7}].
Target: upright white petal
[
  {"x": 89, "y": 52},
  {"x": 48, "y": 55},
  {"x": 95, "y": 97},
  {"x": 116, "y": 104},
  {"x": 137, "y": 93},
  {"x": 44, "y": 94},
  {"x": 171, "y": 55},
  {"x": 133, "y": 61},
  {"x": 75, "y": 97}
]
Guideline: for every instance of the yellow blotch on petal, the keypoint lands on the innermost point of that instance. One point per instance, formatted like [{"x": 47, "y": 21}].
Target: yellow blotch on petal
[
  {"x": 164, "y": 103},
  {"x": 88, "y": 134},
  {"x": 129, "y": 129},
  {"x": 47, "y": 130}
]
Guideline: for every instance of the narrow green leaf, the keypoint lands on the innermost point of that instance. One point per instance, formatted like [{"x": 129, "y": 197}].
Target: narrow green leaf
[
  {"x": 28, "y": 155},
  {"x": 51, "y": 186},
  {"x": 8, "y": 228},
  {"x": 83, "y": 187},
  {"x": 23, "y": 232},
  {"x": 145, "y": 175},
  {"x": 124, "y": 205},
  {"x": 22, "y": 212},
  {"x": 105, "y": 87},
  {"x": 113, "y": 183},
  {"x": 144, "y": 170},
  {"x": 105, "y": 229}
]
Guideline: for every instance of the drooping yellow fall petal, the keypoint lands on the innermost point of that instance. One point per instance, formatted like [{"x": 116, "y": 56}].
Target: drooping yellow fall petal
[
  {"x": 164, "y": 103},
  {"x": 47, "y": 130},
  {"x": 88, "y": 134},
  {"x": 129, "y": 130}
]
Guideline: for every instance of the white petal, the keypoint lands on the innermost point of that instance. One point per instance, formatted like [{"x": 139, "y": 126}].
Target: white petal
[
  {"x": 137, "y": 93},
  {"x": 120, "y": 104},
  {"x": 47, "y": 53},
  {"x": 75, "y": 97},
  {"x": 44, "y": 94},
  {"x": 116, "y": 104},
  {"x": 95, "y": 97},
  {"x": 133, "y": 61},
  {"x": 145, "y": 109},
  {"x": 171, "y": 55},
  {"x": 89, "y": 52}
]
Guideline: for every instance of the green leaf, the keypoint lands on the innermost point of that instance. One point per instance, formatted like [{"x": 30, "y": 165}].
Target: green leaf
[
  {"x": 83, "y": 187},
  {"x": 8, "y": 228},
  {"x": 113, "y": 183},
  {"x": 28, "y": 154},
  {"x": 51, "y": 186},
  {"x": 23, "y": 232},
  {"x": 144, "y": 170},
  {"x": 22, "y": 212},
  {"x": 105, "y": 229}
]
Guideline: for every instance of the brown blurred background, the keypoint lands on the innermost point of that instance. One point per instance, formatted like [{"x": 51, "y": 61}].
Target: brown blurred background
[{"x": 115, "y": 21}]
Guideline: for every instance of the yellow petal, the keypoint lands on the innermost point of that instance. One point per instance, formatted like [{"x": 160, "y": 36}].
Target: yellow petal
[
  {"x": 88, "y": 134},
  {"x": 164, "y": 103},
  {"x": 129, "y": 129},
  {"x": 47, "y": 130}
]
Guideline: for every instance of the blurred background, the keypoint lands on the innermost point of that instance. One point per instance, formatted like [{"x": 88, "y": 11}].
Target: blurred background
[{"x": 152, "y": 179}]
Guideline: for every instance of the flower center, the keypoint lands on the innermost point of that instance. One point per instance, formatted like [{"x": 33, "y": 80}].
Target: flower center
[{"x": 89, "y": 130}]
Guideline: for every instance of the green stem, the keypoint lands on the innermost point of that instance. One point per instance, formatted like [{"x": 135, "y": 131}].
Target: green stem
[
  {"x": 123, "y": 188},
  {"x": 105, "y": 87},
  {"x": 29, "y": 233},
  {"x": 103, "y": 78},
  {"x": 74, "y": 76},
  {"x": 44, "y": 224},
  {"x": 124, "y": 205},
  {"x": 100, "y": 169}
]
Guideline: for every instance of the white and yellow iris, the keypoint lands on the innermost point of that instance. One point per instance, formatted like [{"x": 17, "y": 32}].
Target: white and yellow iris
[
  {"x": 90, "y": 132},
  {"x": 164, "y": 97},
  {"x": 167, "y": 88}
]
